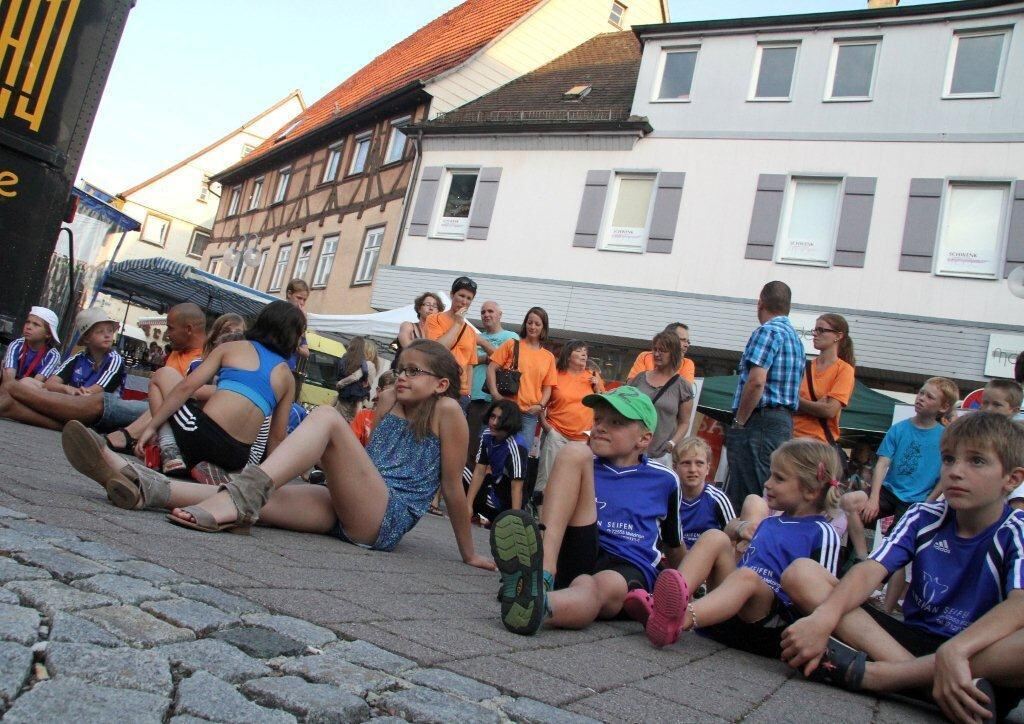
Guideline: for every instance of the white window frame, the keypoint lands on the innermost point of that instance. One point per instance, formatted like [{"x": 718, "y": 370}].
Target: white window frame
[
  {"x": 256, "y": 193},
  {"x": 1004, "y": 222},
  {"x": 325, "y": 262},
  {"x": 393, "y": 134},
  {"x": 787, "y": 212},
  {"x": 247, "y": 148},
  {"x": 280, "y": 267},
  {"x": 213, "y": 266},
  {"x": 756, "y": 74},
  {"x": 306, "y": 247},
  {"x": 333, "y": 162},
  {"x": 366, "y": 138},
  {"x": 830, "y": 79},
  {"x": 659, "y": 77},
  {"x": 617, "y": 4},
  {"x": 259, "y": 270},
  {"x": 366, "y": 265},
  {"x": 236, "y": 200},
  {"x": 204, "y": 190},
  {"x": 445, "y": 188},
  {"x": 192, "y": 243},
  {"x": 165, "y": 232},
  {"x": 947, "y": 83},
  {"x": 610, "y": 204},
  {"x": 284, "y": 177}
]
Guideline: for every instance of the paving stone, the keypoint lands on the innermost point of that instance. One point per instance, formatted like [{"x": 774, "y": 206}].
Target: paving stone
[
  {"x": 366, "y": 654},
  {"x": 122, "y": 668},
  {"x": 9, "y": 513},
  {"x": 74, "y": 629},
  {"x": 136, "y": 627},
  {"x": 332, "y": 669},
  {"x": 433, "y": 707},
  {"x": 9, "y": 597},
  {"x": 302, "y": 631},
  {"x": 15, "y": 666},
  {"x": 95, "y": 551},
  {"x": 124, "y": 588},
  {"x": 451, "y": 683},
  {"x": 11, "y": 570},
  {"x": 217, "y": 658},
  {"x": 315, "y": 702},
  {"x": 19, "y": 624},
  {"x": 149, "y": 572},
  {"x": 226, "y": 602},
  {"x": 64, "y": 566},
  {"x": 52, "y": 596},
  {"x": 531, "y": 711},
  {"x": 11, "y": 541},
  {"x": 190, "y": 614},
  {"x": 260, "y": 642},
  {"x": 187, "y": 719},
  {"x": 205, "y": 696},
  {"x": 41, "y": 530},
  {"x": 71, "y": 700},
  {"x": 519, "y": 679}
]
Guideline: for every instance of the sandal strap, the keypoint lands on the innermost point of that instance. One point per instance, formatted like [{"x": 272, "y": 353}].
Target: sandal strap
[
  {"x": 202, "y": 517},
  {"x": 154, "y": 487},
  {"x": 249, "y": 491}
]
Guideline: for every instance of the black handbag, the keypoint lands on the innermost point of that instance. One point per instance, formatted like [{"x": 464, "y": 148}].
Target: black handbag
[
  {"x": 844, "y": 459},
  {"x": 506, "y": 379}
]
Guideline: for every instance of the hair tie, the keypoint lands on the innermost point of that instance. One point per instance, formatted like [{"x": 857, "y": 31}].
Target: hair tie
[{"x": 834, "y": 483}]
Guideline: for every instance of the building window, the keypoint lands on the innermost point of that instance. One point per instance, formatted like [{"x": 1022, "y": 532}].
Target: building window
[
  {"x": 972, "y": 229},
  {"x": 257, "y": 191},
  {"x": 396, "y": 141},
  {"x": 204, "y": 190},
  {"x": 809, "y": 222},
  {"x": 198, "y": 244},
  {"x": 368, "y": 256},
  {"x": 213, "y": 266},
  {"x": 302, "y": 260},
  {"x": 155, "y": 228},
  {"x": 280, "y": 267},
  {"x": 852, "y": 70},
  {"x": 258, "y": 273},
  {"x": 283, "y": 177},
  {"x": 325, "y": 263},
  {"x": 616, "y": 14},
  {"x": 333, "y": 161},
  {"x": 676, "y": 74},
  {"x": 456, "y": 201},
  {"x": 773, "y": 72},
  {"x": 628, "y": 213},
  {"x": 247, "y": 148},
  {"x": 236, "y": 198},
  {"x": 359, "y": 154},
  {"x": 975, "y": 66}
]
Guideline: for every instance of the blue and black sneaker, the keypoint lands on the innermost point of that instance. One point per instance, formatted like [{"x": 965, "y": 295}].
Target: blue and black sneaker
[{"x": 519, "y": 554}]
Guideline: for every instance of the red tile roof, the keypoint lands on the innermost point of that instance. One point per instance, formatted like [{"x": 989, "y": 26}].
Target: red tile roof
[{"x": 435, "y": 48}]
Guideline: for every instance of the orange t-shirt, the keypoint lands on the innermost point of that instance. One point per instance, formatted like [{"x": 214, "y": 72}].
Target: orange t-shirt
[
  {"x": 644, "y": 362},
  {"x": 537, "y": 367},
  {"x": 180, "y": 359},
  {"x": 835, "y": 382},
  {"x": 464, "y": 350},
  {"x": 566, "y": 412}
]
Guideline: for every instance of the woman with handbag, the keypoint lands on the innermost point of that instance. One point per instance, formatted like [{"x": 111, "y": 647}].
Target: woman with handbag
[
  {"x": 356, "y": 374},
  {"x": 671, "y": 394},
  {"x": 523, "y": 371},
  {"x": 828, "y": 382}
]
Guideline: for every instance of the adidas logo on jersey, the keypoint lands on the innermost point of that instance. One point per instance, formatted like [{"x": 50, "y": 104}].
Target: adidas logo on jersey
[{"x": 941, "y": 546}]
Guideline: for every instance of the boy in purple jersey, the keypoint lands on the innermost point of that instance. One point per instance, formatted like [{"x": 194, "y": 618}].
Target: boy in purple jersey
[
  {"x": 703, "y": 507},
  {"x": 962, "y": 637},
  {"x": 606, "y": 507}
]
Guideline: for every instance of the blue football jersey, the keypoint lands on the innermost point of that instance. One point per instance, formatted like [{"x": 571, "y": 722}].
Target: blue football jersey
[
  {"x": 710, "y": 510},
  {"x": 782, "y": 539}
]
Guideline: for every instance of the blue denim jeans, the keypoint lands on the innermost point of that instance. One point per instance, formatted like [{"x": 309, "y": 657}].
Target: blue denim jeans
[{"x": 750, "y": 450}]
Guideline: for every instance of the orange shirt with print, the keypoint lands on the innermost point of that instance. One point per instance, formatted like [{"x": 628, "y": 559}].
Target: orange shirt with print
[
  {"x": 464, "y": 350},
  {"x": 537, "y": 367},
  {"x": 180, "y": 359},
  {"x": 566, "y": 412},
  {"x": 644, "y": 362},
  {"x": 836, "y": 382}
]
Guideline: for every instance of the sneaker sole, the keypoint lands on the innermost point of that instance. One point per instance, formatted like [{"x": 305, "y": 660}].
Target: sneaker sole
[
  {"x": 671, "y": 595},
  {"x": 518, "y": 552}
]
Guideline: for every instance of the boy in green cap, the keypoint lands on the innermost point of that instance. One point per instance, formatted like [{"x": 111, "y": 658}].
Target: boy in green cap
[{"x": 606, "y": 506}]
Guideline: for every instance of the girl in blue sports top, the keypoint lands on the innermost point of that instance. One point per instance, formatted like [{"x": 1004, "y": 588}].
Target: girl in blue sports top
[{"x": 746, "y": 606}]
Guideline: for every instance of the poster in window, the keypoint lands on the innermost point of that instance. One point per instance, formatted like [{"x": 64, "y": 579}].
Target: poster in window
[
  {"x": 628, "y": 228},
  {"x": 811, "y": 226},
  {"x": 454, "y": 220},
  {"x": 971, "y": 231}
]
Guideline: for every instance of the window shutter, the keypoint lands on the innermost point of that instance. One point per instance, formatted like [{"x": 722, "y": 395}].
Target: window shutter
[
  {"x": 591, "y": 209},
  {"x": 666, "y": 212},
  {"x": 922, "y": 225},
  {"x": 764, "y": 220},
  {"x": 854, "y": 221},
  {"x": 483, "y": 202},
  {"x": 430, "y": 179},
  {"x": 1015, "y": 244}
]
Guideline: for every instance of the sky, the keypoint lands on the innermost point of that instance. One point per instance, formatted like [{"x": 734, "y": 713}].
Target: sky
[{"x": 189, "y": 71}]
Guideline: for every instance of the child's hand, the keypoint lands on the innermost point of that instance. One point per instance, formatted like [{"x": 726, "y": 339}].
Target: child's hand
[
  {"x": 145, "y": 437},
  {"x": 480, "y": 562},
  {"x": 954, "y": 688},
  {"x": 803, "y": 643},
  {"x": 870, "y": 511}
]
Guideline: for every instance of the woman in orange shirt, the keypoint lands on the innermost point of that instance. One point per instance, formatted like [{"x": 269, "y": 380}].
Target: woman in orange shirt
[
  {"x": 833, "y": 376},
  {"x": 536, "y": 366},
  {"x": 566, "y": 418}
]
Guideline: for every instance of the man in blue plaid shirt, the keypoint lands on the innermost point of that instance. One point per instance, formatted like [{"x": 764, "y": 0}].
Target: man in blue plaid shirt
[{"x": 767, "y": 395}]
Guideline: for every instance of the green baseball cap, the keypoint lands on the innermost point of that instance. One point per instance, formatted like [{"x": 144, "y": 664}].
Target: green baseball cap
[{"x": 629, "y": 402}]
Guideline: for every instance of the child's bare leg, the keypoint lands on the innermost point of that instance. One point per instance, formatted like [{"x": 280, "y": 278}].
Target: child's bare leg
[
  {"x": 56, "y": 406},
  {"x": 14, "y": 410},
  {"x": 852, "y": 504},
  {"x": 576, "y": 606},
  {"x": 894, "y": 589},
  {"x": 742, "y": 593},
  {"x": 754, "y": 509},
  {"x": 160, "y": 384},
  {"x": 568, "y": 499},
  {"x": 709, "y": 560}
]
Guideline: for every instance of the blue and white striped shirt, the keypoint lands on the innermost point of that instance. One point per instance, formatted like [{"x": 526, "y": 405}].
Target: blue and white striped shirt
[
  {"x": 775, "y": 346},
  {"x": 15, "y": 360},
  {"x": 79, "y": 371}
]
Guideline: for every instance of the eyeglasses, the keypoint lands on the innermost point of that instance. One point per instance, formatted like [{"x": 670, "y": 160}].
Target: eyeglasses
[
  {"x": 413, "y": 372},
  {"x": 822, "y": 330}
]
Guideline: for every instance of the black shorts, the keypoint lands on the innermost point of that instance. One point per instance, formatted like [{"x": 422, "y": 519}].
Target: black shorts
[
  {"x": 889, "y": 504},
  {"x": 580, "y": 555},
  {"x": 201, "y": 439},
  {"x": 761, "y": 638}
]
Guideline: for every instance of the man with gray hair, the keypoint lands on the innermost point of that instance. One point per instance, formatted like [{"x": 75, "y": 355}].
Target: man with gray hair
[{"x": 490, "y": 318}]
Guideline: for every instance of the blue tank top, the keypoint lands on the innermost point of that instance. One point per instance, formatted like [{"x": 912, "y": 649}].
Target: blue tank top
[
  {"x": 253, "y": 385},
  {"x": 411, "y": 468}
]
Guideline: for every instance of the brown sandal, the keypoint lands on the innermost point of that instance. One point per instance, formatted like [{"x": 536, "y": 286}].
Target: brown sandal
[{"x": 248, "y": 490}]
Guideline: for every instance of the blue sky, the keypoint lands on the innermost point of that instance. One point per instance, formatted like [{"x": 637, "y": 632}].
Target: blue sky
[{"x": 189, "y": 71}]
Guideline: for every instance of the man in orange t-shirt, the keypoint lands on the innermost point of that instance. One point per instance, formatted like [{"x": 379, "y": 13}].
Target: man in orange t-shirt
[
  {"x": 645, "y": 360},
  {"x": 186, "y": 332},
  {"x": 451, "y": 329}
]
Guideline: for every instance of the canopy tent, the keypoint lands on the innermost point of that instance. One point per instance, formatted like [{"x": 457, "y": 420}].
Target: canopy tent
[
  {"x": 866, "y": 418},
  {"x": 380, "y": 326}
]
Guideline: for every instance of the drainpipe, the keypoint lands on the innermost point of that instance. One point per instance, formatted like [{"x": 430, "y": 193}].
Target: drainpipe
[{"x": 418, "y": 148}]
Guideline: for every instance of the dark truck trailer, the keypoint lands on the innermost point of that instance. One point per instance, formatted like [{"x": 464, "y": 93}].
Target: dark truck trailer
[{"x": 55, "y": 56}]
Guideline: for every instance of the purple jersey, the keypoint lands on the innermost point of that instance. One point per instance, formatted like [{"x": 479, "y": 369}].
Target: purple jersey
[
  {"x": 79, "y": 371},
  {"x": 711, "y": 510},
  {"x": 782, "y": 539}
]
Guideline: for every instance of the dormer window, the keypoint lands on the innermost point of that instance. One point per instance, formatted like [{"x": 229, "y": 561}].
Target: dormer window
[
  {"x": 576, "y": 93},
  {"x": 616, "y": 14}
]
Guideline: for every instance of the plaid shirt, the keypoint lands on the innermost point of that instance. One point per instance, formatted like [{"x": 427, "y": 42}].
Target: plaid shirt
[{"x": 776, "y": 346}]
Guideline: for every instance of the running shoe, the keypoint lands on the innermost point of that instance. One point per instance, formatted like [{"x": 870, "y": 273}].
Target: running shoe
[
  {"x": 841, "y": 666},
  {"x": 519, "y": 554},
  {"x": 210, "y": 474}
]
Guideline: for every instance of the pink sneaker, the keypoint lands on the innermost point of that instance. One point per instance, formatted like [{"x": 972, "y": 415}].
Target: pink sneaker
[
  {"x": 671, "y": 596},
  {"x": 638, "y": 605}
]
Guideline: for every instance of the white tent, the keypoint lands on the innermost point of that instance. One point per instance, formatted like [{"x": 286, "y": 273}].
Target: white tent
[{"x": 380, "y": 326}]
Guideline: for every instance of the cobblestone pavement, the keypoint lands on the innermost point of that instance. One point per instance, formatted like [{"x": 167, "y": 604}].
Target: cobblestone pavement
[{"x": 107, "y": 614}]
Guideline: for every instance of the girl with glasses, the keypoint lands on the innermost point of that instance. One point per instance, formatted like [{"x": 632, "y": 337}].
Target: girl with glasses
[{"x": 832, "y": 376}]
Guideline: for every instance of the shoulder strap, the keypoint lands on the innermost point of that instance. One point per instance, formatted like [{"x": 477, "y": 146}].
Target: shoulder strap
[
  {"x": 809, "y": 374},
  {"x": 664, "y": 388},
  {"x": 461, "y": 332},
  {"x": 814, "y": 397},
  {"x": 515, "y": 355}
]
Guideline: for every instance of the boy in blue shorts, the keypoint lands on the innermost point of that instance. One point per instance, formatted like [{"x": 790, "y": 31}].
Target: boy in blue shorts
[
  {"x": 962, "y": 637},
  {"x": 606, "y": 506}
]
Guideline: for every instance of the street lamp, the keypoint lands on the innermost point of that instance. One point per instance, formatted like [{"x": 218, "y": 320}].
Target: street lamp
[{"x": 246, "y": 248}]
